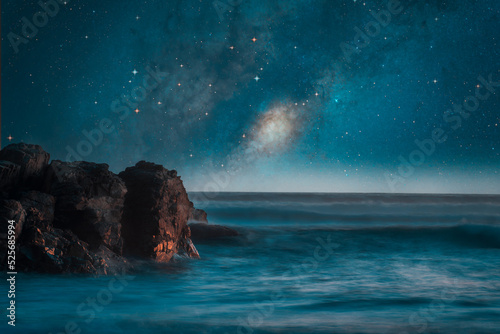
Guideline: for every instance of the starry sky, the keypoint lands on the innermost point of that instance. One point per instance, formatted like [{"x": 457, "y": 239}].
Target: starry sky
[{"x": 250, "y": 95}]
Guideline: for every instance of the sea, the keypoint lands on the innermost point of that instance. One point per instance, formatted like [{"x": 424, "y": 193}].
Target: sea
[{"x": 303, "y": 263}]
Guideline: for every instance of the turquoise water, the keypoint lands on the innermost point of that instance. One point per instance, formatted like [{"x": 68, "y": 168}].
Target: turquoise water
[{"x": 303, "y": 264}]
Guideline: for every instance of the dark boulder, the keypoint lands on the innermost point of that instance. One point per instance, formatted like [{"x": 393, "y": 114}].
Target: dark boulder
[
  {"x": 89, "y": 202},
  {"x": 202, "y": 231},
  {"x": 156, "y": 212},
  {"x": 32, "y": 161}
]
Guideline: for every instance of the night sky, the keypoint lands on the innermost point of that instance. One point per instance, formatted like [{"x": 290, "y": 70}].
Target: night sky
[{"x": 253, "y": 95}]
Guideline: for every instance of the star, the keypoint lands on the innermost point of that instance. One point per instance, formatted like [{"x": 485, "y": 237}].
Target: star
[
  {"x": 137, "y": 17},
  {"x": 10, "y": 137},
  {"x": 256, "y": 78},
  {"x": 135, "y": 71},
  {"x": 254, "y": 39},
  {"x": 137, "y": 110},
  {"x": 231, "y": 47}
]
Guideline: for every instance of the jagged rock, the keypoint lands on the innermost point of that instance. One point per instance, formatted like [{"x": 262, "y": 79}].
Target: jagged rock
[
  {"x": 32, "y": 161},
  {"x": 197, "y": 215},
  {"x": 156, "y": 212},
  {"x": 89, "y": 201},
  {"x": 202, "y": 231}
]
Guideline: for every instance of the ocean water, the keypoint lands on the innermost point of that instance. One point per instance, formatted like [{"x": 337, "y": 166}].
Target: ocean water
[{"x": 304, "y": 263}]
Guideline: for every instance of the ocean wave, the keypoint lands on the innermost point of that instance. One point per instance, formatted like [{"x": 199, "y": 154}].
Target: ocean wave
[{"x": 460, "y": 235}]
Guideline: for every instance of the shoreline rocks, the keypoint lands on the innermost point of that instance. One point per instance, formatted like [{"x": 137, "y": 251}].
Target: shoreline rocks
[{"x": 79, "y": 217}]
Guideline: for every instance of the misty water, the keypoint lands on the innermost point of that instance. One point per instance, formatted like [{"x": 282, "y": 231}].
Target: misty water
[{"x": 304, "y": 263}]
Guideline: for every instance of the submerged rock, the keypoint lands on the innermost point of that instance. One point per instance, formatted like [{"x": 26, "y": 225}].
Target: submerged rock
[
  {"x": 156, "y": 212},
  {"x": 202, "y": 231},
  {"x": 198, "y": 215}
]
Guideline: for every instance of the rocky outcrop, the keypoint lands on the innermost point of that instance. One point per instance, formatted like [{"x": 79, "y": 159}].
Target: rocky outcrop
[
  {"x": 203, "y": 231},
  {"x": 89, "y": 202},
  {"x": 80, "y": 217},
  {"x": 156, "y": 212}
]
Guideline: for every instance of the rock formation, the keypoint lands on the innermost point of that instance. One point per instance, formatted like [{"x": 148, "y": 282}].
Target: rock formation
[
  {"x": 158, "y": 200},
  {"x": 80, "y": 217}
]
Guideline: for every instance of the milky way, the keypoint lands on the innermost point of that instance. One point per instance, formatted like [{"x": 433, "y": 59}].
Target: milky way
[{"x": 300, "y": 95}]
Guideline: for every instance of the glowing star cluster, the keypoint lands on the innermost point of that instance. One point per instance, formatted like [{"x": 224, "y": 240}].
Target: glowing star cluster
[{"x": 276, "y": 129}]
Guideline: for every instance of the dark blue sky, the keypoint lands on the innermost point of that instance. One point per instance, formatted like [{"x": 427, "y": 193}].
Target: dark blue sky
[{"x": 263, "y": 95}]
